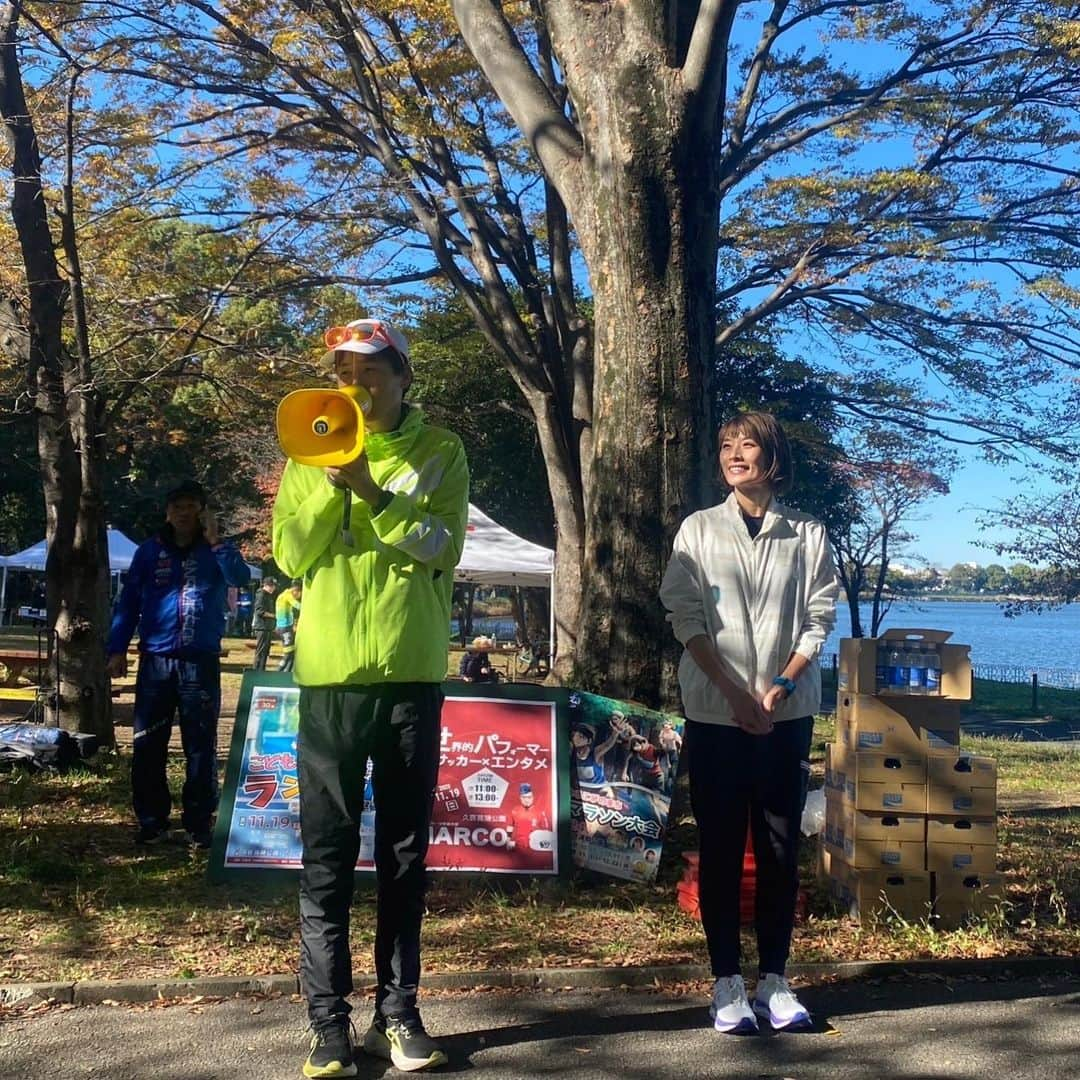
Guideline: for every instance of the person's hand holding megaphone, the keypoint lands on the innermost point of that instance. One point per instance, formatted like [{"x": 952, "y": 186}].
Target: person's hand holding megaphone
[{"x": 356, "y": 477}]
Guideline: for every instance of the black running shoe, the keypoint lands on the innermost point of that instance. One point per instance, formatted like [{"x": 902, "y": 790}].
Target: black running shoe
[
  {"x": 405, "y": 1042},
  {"x": 331, "y": 1049},
  {"x": 199, "y": 838}
]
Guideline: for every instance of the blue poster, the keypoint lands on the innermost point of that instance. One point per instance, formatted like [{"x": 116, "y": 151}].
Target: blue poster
[
  {"x": 265, "y": 826},
  {"x": 623, "y": 762}
]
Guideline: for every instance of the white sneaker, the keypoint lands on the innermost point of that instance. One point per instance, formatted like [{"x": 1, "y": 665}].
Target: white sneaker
[
  {"x": 774, "y": 1001},
  {"x": 730, "y": 1008}
]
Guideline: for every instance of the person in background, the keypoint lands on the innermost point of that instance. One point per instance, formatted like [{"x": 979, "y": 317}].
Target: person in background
[
  {"x": 175, "y": 593},
  {"x": 370, "y": 661},
  {"x": 475, "y": 663},
  {"x": 243, "y": 613},
  {"x": 264, "y": 621},
  {"x": 287, "y": 611},
  {"x": 230, "y": 610},
  {"x": 751, "y": 594}
]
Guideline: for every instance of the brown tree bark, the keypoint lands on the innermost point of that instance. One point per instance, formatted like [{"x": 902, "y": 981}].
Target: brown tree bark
[
  {"x": 638, "y": 169},
  {"x": 68, "y": 412}
]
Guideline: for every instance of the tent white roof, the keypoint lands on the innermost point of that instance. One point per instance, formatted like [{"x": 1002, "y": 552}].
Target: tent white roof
[
  {"x": 492, "y": 555},
  {"x": 496, "y": 556},
  {"x": 121, "y": 552}
]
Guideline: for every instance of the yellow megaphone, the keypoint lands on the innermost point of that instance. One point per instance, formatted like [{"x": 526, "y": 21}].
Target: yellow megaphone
[{"x": 323, "y": 427}]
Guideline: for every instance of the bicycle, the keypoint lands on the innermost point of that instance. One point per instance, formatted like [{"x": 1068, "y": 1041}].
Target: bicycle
[{"x": 534, "y": 659}]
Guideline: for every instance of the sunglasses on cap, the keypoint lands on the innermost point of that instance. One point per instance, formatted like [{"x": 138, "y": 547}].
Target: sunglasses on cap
[{"x": 369, "y": 330}]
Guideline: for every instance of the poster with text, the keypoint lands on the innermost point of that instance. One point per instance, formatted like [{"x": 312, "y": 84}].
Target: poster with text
[
  {"x": 496, "y": 802},
  {"x": 623, "y": 762},
  {"x": 264, "y": 825}
]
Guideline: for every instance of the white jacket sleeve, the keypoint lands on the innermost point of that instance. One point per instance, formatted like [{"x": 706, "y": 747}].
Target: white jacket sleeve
[
  {"x": 822, "y": 590},
  {"x": 681, "y": 590}
]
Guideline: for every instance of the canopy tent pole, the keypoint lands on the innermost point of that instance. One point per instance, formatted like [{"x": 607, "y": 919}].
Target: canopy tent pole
[
  {"x": 3, "y": 596},
  {"x": 551, "y": 620}
]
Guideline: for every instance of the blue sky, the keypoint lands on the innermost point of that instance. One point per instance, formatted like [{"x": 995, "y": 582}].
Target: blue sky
[{"x": 948, "y": 528}]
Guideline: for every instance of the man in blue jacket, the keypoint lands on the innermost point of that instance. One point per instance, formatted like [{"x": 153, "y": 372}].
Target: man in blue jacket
[{"x": 175, "y": 592}]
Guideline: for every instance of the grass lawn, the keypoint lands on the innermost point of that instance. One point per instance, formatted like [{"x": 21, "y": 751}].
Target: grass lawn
[
  {"x": 79, "y": 901},
  {"x": 1013, "y": 701}
]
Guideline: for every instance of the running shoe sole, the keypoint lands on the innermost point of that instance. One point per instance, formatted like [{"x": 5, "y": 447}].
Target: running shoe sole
[
  {"x": 745, "y": 1026},
  {"x": 377, "y": 1044},
  {"x": 800, "y": 1019},
  {"x": 318, "y": 1071}
]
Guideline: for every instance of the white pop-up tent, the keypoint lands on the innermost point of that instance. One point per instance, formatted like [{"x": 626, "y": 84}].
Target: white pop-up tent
[
  {"x": 494, "y": 555},
  {"x": 121, "y": 552}
]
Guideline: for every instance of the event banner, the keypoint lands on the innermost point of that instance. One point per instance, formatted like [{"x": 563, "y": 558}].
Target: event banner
[
  {"x": 623, "y": 762},
  {"x": 500, "y": 797}
]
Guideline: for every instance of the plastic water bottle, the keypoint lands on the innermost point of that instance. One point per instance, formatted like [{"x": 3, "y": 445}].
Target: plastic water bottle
[
  {"x": 916, "y": 670},
  {"x": 898, "y": 670},
  {"x": 881, "y": 671},
  {"x": 933, "y": 670}
]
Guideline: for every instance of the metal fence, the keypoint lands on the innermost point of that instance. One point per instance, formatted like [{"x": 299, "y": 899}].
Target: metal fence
[{"x": 1061, "y": 678}]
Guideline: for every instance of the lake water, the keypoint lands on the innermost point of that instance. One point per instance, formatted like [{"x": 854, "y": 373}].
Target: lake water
[
  {"x": 500, "y": 627},
  {"x": 1048, "y": 642}
]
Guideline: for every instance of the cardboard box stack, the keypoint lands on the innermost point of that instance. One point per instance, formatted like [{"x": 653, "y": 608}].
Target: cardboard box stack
[{"x": 910, "y": 822}]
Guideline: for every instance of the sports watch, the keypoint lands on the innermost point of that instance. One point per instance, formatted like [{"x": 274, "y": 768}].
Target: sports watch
[{"x": 787, "y": 684}]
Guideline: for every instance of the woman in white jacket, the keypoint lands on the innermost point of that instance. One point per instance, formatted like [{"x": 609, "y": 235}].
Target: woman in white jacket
[{"x": 751, "y": 594}]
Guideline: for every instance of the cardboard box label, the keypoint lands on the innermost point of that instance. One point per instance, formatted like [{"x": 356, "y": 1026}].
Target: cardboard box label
[
  {"x": 865, "y": 722},
  {"x": 878, "y": 795},
  {"x": 962, "y": 784},
  {"x": 961, "y": 858},
  {"x": 873, "y": 826},
  {"x": 868, "y": 893},
  {"x": 871, "y": 854},
  {"x": 895, "y": 783},
  {"x": 898, "y": 767}
]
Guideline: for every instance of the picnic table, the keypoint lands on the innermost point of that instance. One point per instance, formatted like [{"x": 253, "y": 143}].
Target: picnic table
[{"x": 19, "y": 663}]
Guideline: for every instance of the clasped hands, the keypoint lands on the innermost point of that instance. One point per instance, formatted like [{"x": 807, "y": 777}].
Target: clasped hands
[
  {"x": 356, "y": 477},
  {"x": 752, "y": 715}
]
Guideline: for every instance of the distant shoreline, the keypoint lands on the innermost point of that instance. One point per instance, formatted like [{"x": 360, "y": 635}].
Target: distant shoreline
[{"x": 936, "y": 598}]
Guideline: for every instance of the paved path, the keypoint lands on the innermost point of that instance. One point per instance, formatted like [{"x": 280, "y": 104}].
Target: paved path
[
  {"x": 913, "y": 1027},
  {"x": 1062, "y": 730}
]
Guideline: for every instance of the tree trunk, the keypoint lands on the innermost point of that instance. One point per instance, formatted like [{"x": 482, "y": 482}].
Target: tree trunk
[
  {"x": 636, "y": 164},
  {"x": 566, "y": 498},
  {"x": 856, "y": 616},
  {"x": 876, "y": 612},
  {"x": 521, "y": 625},
  {"x": 850, "y": 573},
  {"x": 467, "y": 620},
  {"x": 69, "y": 444},
  {"x": 650, "y": 244},
  {"x": 76, "y": 570}
]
